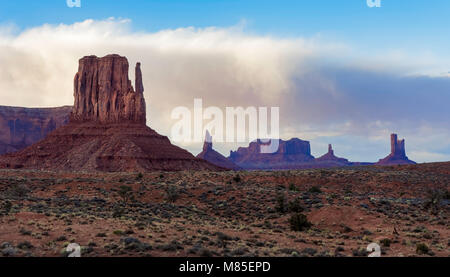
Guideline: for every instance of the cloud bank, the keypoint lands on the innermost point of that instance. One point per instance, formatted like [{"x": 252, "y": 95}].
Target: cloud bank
[{"x": 328, "y": 92}]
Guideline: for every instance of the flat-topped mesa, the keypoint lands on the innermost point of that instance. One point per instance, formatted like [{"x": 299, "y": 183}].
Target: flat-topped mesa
[
  {"x": 291, "y": 154},
  {"x": 103, "y": 92}
]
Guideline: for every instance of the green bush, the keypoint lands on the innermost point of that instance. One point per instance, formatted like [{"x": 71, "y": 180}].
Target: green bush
[
  {"x": 315, "y": 189},
  {"x": 385, "y": 242},
  {"x": 299, "y": 222},
  {"x": 126, "y": 193},
  {"x": 281, "y": 203},
  {"x": 293, "y": 187},
  {"x": 433, "y": 200},
  {"x": 118, "y": 232},
  {"x": 295, "y": 206},
  {"x": 7, "y": 206},
  {"x": 19, "y": 191},
  {"x": 172, "y": 193},
  {"x": 447, "y": 195},
  {"x": 422, "y": 248},
  {"x": 140, "y": 176}
]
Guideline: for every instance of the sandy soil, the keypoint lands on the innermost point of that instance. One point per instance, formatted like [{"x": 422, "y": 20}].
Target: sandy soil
[{"x": 405, "y": 209}]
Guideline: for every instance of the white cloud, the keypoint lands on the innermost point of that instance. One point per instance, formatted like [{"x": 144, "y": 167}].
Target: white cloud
[
  {"x": 324, "y": 89},
  {"x": 429, "y": 156}
]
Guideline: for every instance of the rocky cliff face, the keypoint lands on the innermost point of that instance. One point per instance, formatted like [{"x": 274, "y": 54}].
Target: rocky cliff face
[
  {"x": 398, "y": 153},
  {"x": 103, "y": 91},
  {"x": 21, "y": 127},
  {"x": 290, "y": 154},
  {"x": 214, "y": 157},
  {"x": 106, "y": 130}
]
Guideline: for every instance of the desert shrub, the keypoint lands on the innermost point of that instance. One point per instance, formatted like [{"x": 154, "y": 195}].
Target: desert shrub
[
  {"x": 25, "y": 232},
  {"x": 295, "y": 206},
  {"x": 6, "y": 207},
  {"x": 203, "y": 252},
  {"x": 385, "y": 242},
  {"x": 19, "y": 191},
  {"x": 126, "y": 193},
  {"x": 281, "y": 206},
  {"x": 172, "y": 193},
  {"x": 237, "y": 178},
  {"x": 118, "y": 232},
  {"x": 433, "y": 200},
  {"x": 293, "y": 187},
  {"x": 447, "y": 195},
  {"x": 315, "y": 189},
  {"x": 140, "y": 176},
  {"x": 26, "y": 245},
  {"x": 299, "y": 222},
  {"x": 222, "y": 239},
  {"x": 118, "y": 212},
  {"x": 422, "y": 248}
]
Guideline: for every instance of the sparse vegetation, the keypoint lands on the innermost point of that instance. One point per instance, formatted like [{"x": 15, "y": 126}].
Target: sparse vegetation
[
  {"x": 6, "y": 207},
  {"x": 125, "y": 193},
  {"x": 293, "y": 187},
  {"x": 139, "y": 176},
  {"x": 385, "y": 242},
  {"x": 172, "y": 193},
  {"x": 214, "y": 216},
  {"x": 281, "y": 205},
  {"x": 18, "y": 191},
  {"x": 295, "y": 206},
  {"x": 315, "y": 189},
  {"x": 299, "y": 222},
  {"x": 433, "y": 200},
  {"x": 422, "y": 249}
]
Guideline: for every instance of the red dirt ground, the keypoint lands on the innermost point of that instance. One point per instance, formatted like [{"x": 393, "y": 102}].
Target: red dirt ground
[{"x": 227, "y": 213}]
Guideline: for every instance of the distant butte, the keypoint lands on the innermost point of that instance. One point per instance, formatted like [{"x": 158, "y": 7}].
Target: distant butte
[
  {"x": 214, "y": 157},
  {"x": 106, "y": 130},
  {"x": 330, "y": 157},
  {"x": 291, "y": 154},
  {"x": 398, "y": 153}
]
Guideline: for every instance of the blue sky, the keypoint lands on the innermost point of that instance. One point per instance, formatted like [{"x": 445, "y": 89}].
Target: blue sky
[
  {"x": 341, "y": 72},
  {"x": 398, "y": 23}
]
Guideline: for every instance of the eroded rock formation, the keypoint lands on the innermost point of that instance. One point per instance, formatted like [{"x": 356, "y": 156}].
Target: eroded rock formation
[
  {"x": 104, "y": 93},
  {"x": 214, "y": 157},
  {"x": 398, "y": 153},
  {"x": 107, "y": 130},
  {"x": 330, "y": 157}
]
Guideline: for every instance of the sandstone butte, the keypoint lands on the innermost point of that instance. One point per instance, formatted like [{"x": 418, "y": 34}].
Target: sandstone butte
[
  {"x": 107, "y": 128},
  {"x": 214, "y": 157},
  {"x": 330, "y": 158},
  {"x": 398, "y": 153}
]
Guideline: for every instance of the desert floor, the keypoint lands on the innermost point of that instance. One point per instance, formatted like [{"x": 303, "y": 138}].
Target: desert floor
[{"x": 405, "y": 209}]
